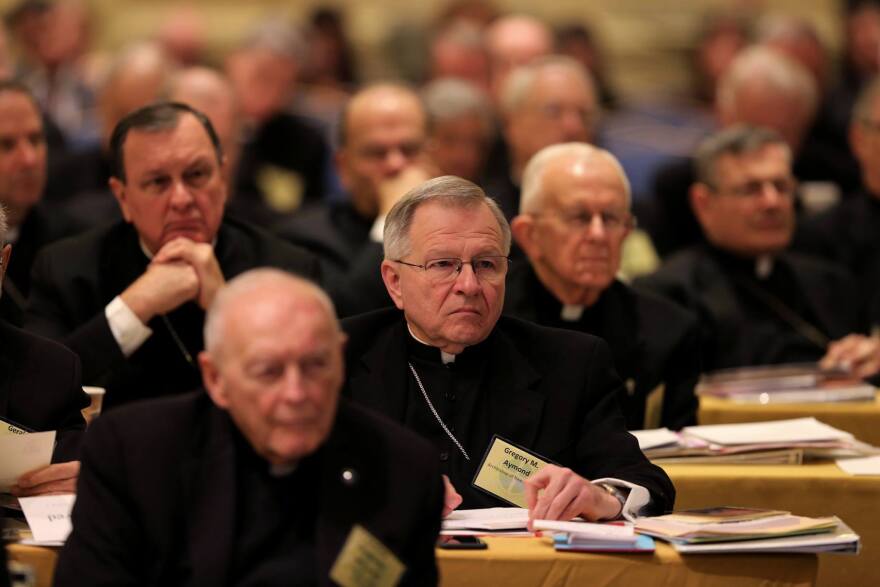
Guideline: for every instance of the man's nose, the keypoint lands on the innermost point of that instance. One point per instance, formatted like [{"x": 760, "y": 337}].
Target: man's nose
[
  {"x": 181, "y": 196},
  {"x": 395, "y": 161},
  {"x": 293, "y": 388},
  {"x": 27, "y": 154},
  {"x": 596, "y": 228},
  {"x": 770, "y": 195},
  {"x": 467, "y": 281}
]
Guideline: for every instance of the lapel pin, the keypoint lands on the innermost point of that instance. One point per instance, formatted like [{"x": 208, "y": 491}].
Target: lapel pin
[{"x": 349, "y": 477}]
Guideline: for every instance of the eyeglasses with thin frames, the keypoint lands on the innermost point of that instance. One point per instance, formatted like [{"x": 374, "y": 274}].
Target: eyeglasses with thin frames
[
  {"x": 489, "y": 268},
  {"x": 583, "y": 219}
]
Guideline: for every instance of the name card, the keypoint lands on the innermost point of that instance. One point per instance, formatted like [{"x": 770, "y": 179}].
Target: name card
[
  {"x": 505, "y": 468},
  {"x": 365, "y": 562},
  {"x": 48, "y": 516},
  {"x": 23, "y": 453}
]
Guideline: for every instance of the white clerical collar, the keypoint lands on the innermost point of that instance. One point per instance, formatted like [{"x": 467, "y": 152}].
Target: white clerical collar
[
  {"x": 571, "y": 312},
  {"x": 445, "y": 357},
  {"x": 763, "y": 266}
]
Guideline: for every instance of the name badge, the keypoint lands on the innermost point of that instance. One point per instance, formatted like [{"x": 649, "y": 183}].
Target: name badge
[
  {"x": 10, "y": 427},
  {"x": 505, "y": 468},
  {"x": 365, "y": 562}
]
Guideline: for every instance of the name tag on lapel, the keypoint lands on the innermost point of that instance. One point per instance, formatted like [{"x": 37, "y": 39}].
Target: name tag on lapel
[
  {"x": 505, "y": 468},
  {"x": 365, "y": 562}
]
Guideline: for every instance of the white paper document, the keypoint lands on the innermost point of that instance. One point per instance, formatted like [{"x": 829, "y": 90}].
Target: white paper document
[
  {"x": 22, "y": 453},
  {"x": 48, "y": 517},
  {"x": 778, "y": 431},
  {"x": 860, "y": 466},
  {"x": 487, "y": 519},
  {"x": 655, "y": 438},
  {"x": 589, "y": 530}
]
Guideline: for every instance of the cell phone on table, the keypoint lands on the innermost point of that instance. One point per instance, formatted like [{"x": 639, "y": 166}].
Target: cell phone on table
[{"x": 461, "y": 542}]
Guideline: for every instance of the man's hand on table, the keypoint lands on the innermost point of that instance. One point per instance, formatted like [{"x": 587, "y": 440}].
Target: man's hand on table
[{"x": 558, "y": 493}]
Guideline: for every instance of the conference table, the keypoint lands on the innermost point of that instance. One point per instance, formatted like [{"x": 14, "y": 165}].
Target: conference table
[
  {"x": 532, "y": 562},
  {"x": 861, "y": 419},
  {"x": 820, "y": 489}
]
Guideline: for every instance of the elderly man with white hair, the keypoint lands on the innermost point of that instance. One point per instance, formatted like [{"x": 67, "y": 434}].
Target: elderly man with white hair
[
  {"x": 265, "y": 479},
  {"x": 574, "y": 217}
]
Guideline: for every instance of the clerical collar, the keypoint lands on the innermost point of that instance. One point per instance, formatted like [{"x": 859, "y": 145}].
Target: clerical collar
[
  {"x": 445, "y": 357},
  {"x": 282, "y": 470},
  {"x": 12, "y": 234},
  {"x": 763, "y": 266},
  {"x": 571, "y": 312}
]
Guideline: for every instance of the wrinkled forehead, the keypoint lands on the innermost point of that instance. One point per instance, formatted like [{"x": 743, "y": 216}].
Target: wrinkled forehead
[
  {"x": 595, "y": 179},
  {"x": 450, "y": 226}
]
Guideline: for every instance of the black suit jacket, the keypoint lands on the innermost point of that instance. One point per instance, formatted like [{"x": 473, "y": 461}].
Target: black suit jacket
[
  {"x": 40, "y": 227},
  {"x": 551, "y": 391},
  {"x": 697, "y": 280},
  {"x": 74, "y": 279},
  {"x": 40, "y": 388},
  {"x": 848, "y": 235},
  {"x": 157, "y": 492},
  {"x": 653, "y": 341}
]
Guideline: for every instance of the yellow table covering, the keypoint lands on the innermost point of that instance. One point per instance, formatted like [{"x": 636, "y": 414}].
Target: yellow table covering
[
  {"x": 810, "y": 490},
  {"x": 862, "y": 419},
  {"x": 532, "y": 562}
]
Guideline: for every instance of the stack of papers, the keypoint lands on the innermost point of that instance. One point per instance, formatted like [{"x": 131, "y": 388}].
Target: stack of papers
[
  {"x": 726, "y": 529},
  {"x": 485, "y": 520},
  {"x": 776, "y": 442},
  {"x": 795, "y": 383},
  {"x": 590, "y": 537}
]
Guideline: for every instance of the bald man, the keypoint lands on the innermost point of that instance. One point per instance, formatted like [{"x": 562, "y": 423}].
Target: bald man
[
  {"x": 381, "y": 156},
  {"x": 574, "y": 217},
  {"x": 263, "y": 479}
]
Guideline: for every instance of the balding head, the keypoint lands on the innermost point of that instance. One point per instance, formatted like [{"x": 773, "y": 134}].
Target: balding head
[
  {"x": 762, "y": 87},
  {"x": 382, "y": 132},
  {"x": 513, "y": 41},
  {"x": 574, "y": 218},
  {"x": 135, "y": 79},
  {"x": 550, "y": 101},
  {"x": 273, "y": 360},
  {"x": 210, "y": 92}
]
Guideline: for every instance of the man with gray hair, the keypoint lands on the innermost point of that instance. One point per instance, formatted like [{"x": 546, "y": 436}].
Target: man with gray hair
[
  {"x": 460, "y": 127},
  {"x": 446, "y": 364},
  {"x": 268, "y": 478},
  {"x": 758, "y": 303},
  {"x": 39, "y": 391},
  {"x": 762, "y": 87},
  {"x": 574, "y": 217},
  {"x": 551, "y": 100}
]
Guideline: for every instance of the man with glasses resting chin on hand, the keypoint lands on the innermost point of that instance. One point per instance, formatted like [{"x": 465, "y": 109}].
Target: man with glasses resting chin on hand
[{"x": 446, "y": 364}]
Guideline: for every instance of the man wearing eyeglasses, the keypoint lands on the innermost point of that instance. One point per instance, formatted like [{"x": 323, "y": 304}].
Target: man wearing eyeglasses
[
  {"x": 757, "y": 302},
  {"x": 575, "y": 214},
  {"x": 446, "y": 364}
]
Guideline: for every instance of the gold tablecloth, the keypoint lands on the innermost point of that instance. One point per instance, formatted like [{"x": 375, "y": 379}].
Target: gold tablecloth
[
  {"x": 862, "y": 419},
  {"x": 532, "y": 562},
  {"x": 40, "y": 559},
  {"x": 811, "y": 490}
]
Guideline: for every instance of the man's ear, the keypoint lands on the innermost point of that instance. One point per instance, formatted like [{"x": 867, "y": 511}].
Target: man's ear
[
  {"x": 523, "y": 229},
  {"x": 213, "y": 380},
  {"x": 5, "y": 254},
  {"x": 701, "y": 199},
  {"x": 117, "y": 186},
  {"x": 391, "y": 277}
]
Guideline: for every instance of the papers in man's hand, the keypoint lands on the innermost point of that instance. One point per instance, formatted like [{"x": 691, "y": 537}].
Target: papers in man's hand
[
  {"x": 23, "y": 453},
  {"x": 48, "y": 517},
  {"x": 487, "y": 519},
  {"x": 776, "y": 442},
  {"x": 860, "y": 466}
]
